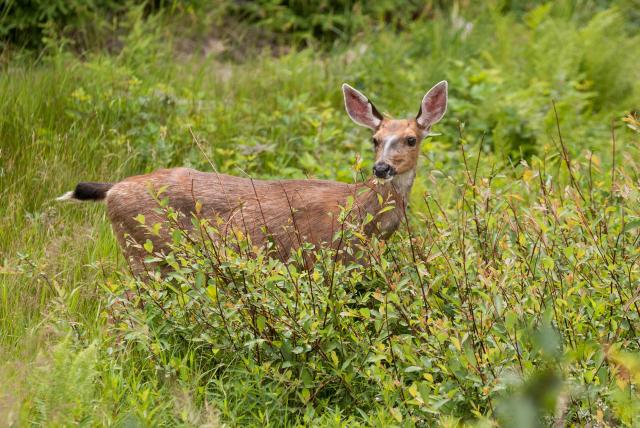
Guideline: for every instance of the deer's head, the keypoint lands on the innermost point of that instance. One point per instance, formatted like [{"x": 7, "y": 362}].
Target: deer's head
[{"x": 396, "y": 141}]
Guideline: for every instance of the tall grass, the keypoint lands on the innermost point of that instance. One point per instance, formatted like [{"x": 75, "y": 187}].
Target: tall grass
[{"x": 105, "y": 116}]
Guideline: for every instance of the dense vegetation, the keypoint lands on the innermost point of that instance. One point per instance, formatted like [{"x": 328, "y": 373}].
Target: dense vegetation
[{"x": 509, "y": 296}]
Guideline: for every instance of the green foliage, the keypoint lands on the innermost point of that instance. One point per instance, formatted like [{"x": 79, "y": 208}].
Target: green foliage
[
  {"x": 521, "y": 281},
  {"x": 26, "y": 22},
  {"x": 528, "y": 272},
  {"x": 328, "y": 21},
  {"x": 57, "y": 389}
]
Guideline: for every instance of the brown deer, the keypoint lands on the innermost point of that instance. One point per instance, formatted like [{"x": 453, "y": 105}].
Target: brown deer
[{"x": 289, "y": 211}]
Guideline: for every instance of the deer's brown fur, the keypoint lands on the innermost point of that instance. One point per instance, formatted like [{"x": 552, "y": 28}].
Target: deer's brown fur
[{"x": 291, "y": 211}]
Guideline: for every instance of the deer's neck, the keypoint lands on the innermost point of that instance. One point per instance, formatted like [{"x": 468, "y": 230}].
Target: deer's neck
[
  {"x": 394, "y": 193},
  {"x": 402, "y": 184}
]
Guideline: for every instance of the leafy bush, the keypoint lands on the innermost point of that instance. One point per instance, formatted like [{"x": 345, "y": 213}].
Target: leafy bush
[
  {"x": 513, "y": 290},
  {"x": 24, "y": 22},
  {"x": 328, "y": 21}
]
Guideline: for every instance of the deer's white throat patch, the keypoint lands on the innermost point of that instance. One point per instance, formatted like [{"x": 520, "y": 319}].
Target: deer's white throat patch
[{"x": 403, "y": 182}]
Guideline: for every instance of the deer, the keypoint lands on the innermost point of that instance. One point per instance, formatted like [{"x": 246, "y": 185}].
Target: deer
[{"x": 288, "y": 211}]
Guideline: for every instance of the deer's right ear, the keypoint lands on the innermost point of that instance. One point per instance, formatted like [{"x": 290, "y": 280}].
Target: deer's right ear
[{"x": 360, "y": 109}]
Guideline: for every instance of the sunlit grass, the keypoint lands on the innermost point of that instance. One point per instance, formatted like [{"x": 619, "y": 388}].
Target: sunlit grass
[{"x": 64, "y": 119}]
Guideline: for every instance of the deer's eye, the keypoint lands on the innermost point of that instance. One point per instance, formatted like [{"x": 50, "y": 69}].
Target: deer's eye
[
  {"x": 375, "y": 141},
  {"x": 411, "y": 141}
]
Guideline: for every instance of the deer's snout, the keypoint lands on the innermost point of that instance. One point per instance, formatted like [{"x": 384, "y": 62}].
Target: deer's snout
[{"x": 383, "y": 170}]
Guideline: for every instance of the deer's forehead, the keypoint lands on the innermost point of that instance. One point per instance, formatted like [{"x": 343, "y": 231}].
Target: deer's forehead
[{"x": 398, "y": 127}]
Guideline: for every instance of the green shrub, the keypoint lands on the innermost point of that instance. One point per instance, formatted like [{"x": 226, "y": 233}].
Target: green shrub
[
  {"x": 24, "y": 22},
  {"x": 329, "y": 21},
  {"x": 512, "y": 291}
]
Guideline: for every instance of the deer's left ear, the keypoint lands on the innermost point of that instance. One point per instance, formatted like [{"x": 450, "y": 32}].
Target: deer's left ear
[
  {"x": 434, "y": 105},
  {"x": 360, "y": 109}
]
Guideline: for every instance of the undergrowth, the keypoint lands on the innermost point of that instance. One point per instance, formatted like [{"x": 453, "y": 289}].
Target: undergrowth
[
  {"x": 511, "y": 291},
  {"x": 514, "y": 298}
]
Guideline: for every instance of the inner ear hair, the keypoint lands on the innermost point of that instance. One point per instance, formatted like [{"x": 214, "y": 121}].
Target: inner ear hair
[
  {"x": 418, "y": 117},
  {"x": 375, "y": 111}
]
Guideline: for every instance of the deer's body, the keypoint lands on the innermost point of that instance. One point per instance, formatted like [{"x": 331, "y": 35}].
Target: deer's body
[{"x": 288, "y": 211}]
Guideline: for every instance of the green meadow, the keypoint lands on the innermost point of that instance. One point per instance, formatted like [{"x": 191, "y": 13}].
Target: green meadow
[{"x": 510, "y": 296}]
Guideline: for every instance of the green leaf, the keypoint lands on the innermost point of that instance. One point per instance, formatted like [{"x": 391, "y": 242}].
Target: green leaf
[
  {"x": 634, "y": 224},
  {"x": 548, "y": 263},
  {"x": 306, "y": 377},
  {"x": 397, "y": 415},
  {"x": 261, "y": 322},
  {"x": 155, "y": 230},
  {"x": 212, "y": 292},
  {"x": 200, "y": 280},
  {"x": 510, "y": 320}
]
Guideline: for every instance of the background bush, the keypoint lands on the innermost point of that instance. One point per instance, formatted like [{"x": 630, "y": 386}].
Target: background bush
[{"x": 26, "y": 22}]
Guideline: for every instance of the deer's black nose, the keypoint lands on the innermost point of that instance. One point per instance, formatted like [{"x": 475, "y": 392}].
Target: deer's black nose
[{"x": 383, "y": 170}]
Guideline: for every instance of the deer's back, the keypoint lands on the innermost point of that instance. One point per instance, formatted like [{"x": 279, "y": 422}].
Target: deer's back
[{"x": 290, "y": 210}]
